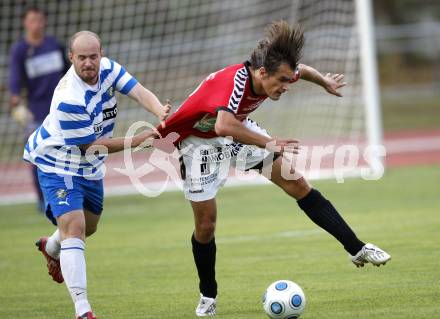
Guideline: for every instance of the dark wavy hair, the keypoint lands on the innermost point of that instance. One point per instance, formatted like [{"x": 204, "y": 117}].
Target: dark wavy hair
[{"x": 282, "y": 44}]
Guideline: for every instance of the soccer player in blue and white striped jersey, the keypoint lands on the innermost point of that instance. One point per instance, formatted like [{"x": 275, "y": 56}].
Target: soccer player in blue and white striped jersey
[{"x": 81, "y": 120}]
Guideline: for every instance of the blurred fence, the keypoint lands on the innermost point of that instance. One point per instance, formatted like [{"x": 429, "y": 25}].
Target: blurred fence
[{"x": 409, "y": 56}]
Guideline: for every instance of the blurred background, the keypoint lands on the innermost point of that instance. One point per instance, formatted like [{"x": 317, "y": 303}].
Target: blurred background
[
  {"x": 408, "y": 49},
  {"x": 171, "y": 45}
]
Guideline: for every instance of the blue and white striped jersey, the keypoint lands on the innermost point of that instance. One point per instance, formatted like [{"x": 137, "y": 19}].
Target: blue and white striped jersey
[{"x": 79, "y": 114}]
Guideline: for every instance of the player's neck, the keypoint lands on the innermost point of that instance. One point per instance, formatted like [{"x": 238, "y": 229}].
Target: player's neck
[
  {"x": 257, "y": 87},
  {"x": 34, "y": 39}
]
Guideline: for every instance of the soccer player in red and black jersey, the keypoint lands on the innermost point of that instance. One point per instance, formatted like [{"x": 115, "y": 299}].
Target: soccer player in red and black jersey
[{"x": 215, "y": 133}]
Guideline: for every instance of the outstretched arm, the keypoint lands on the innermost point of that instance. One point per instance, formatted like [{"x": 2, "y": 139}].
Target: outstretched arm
[
  {"x": 150, "y": 102},
  {"x": 330, "y": 82},
  {"x": 117, "y": 144},
  {"x": 227, "y": 125}
]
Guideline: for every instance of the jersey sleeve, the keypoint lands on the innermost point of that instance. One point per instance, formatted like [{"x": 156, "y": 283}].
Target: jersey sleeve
[
  {"x": 16, "y": 71},
  {"x": 76, "y": 124},
  {"x": 224, "y": 89},
  {"x": 236, "y": 91},
  {"x": 123, "y": 81}
]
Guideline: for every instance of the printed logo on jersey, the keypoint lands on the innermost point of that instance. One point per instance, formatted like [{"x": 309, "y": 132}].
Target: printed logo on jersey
[
  {"x": 110, "y": 113},
  {"x": 206, "y": 123},
  {"x": 196, "y": 191},
  {"x": 98, "y": 128},
  {"x": 43, "y": 64},
  {"x": 63, "y": 202},
  {"x": 204, "y": 169},
  {"x": 61, "y": 193},
  {"x": 62, "y": 84},
  {"x": 111, "y": 91},
  {"x": 219, "y": 154}
]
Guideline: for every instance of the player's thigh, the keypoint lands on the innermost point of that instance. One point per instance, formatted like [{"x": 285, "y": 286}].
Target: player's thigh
[
  {"x": 204, "y": 210},
  {"x": 92, "y": 220},
  {"x": 292, "y": 182},
  {"x": 72, "y": 224}
]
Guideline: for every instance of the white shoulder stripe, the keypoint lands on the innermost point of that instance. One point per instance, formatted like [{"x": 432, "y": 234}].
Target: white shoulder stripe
[
  {"x": 80, "y": 132},
  {"x": 62, "y": 116},
  {"x": 237, "y": 93},
  {"x": 105, "y": 62},
  {"x": 123, "y": 80}
]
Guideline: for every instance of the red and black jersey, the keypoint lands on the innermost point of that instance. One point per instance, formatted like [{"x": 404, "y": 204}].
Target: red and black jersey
[{"x": 228, "y": 89}]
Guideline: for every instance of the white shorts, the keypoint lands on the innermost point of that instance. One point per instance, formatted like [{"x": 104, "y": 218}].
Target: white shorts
[{"x": 206, "y": 162}]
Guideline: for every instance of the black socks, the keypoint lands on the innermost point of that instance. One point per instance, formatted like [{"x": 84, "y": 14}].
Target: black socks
[
  {"x": 316, "y": 207},
  {"x": 204, "y": 257},
  {"x": 322, "y": 213}
]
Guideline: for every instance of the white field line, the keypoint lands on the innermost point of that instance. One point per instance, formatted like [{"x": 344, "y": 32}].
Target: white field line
[
  {"x": 226, "y": 240},
  {"x": 251, "y": 238}
]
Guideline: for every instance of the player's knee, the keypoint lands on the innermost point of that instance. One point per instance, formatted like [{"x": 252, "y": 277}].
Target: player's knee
[
  {"x": 206, "y": 229},
  {"x": 71, "y": 227},
  {"x": 73, "y": 232},
  {"x": 297, "y": 188}
]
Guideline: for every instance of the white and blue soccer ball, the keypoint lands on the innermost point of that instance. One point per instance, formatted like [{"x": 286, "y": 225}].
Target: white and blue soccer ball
[{"x": 284, "y": 299}]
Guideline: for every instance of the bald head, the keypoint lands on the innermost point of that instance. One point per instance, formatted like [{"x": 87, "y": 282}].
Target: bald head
[
  {"x": 84, "y": 37},
  {"x": 85, "y": 53}
]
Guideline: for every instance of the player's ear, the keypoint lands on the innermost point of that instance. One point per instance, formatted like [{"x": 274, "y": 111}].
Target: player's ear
[
  {"x": 70, "y": 56},
  {"x": 102, "y": 52},
  {"x": 262, "y": 72}
]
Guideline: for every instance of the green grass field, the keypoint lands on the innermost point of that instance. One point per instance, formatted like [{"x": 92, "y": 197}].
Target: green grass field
[
  {"x": 140, "y": 262},
  {"x": 416, "y": 113}
]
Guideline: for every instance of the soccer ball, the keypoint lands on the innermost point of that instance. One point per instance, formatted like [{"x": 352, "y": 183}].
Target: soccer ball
[{"x": 284, "y": 299}]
